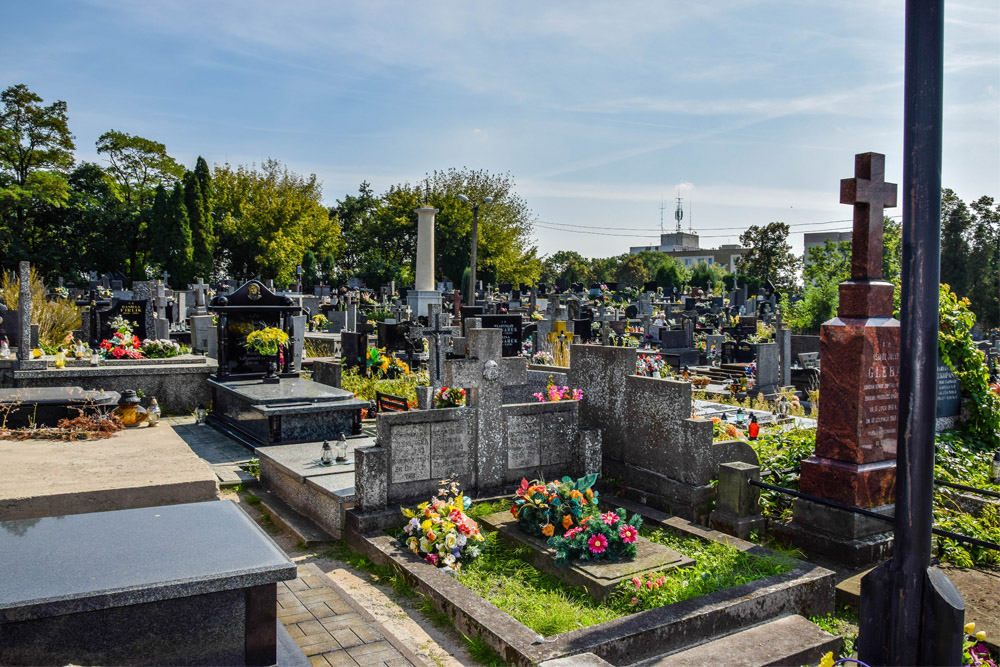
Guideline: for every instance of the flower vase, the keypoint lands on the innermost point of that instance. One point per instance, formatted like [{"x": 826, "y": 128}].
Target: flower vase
[{"x": 271, "y": 376}]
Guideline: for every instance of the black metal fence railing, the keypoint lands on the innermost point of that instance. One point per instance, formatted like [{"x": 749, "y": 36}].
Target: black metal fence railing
[{"x": 958, "y": 537}]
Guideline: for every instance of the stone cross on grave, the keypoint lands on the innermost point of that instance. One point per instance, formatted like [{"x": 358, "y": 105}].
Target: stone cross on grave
[
  {"x": 456, "y": 302},
  {"x": 484, "y": 374},
  {"x": 869, "y": 194},
  {"x": 165, "y": 277},
  {"x": 200, "y": 288},
  {"x": 436, "y": 354}
]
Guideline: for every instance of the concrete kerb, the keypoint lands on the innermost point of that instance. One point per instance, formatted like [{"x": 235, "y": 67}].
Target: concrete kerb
[{"x": 806, "y": 589}]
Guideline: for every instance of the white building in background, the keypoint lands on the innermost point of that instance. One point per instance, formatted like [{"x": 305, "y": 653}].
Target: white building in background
[
  {"x": 814, "y": 239},
  {"x": 685, "y": 247}
]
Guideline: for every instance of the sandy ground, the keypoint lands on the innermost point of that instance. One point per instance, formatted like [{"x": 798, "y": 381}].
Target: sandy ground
[
  {"x": 137, "y": 467},
  {"x": 398, "y": 615}
]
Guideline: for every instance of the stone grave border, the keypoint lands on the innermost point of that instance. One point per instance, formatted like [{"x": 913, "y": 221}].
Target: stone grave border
[{"x": 807, "y": 590}]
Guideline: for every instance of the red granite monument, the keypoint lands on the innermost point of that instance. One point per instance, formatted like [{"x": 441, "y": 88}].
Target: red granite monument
[{"x": 855, "y": 458}]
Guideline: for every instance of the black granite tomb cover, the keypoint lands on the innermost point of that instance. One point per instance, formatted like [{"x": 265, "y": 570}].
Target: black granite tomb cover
[
  {"x": 133, "y": 311},
  {"x": 252, "y": 306}
]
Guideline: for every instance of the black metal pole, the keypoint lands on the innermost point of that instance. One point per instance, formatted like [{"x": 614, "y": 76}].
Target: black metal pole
[{"x": 919, "y": 323}]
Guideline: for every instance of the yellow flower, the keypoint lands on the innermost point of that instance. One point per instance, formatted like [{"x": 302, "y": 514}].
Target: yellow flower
[
  {"x": 548, "y": 530},
  {"x": 969, "y": 628},
  {"x": 567, "y": 521},
  {"x": 827, "y": 660},
  {"x": 36, "y": 353},
  {"x": 981, "y": 635}
]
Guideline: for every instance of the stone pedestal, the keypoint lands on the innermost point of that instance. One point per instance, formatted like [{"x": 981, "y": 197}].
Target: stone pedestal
[
  {"x": 418, "y": 300},
  {"x": 854, "y": 462}
]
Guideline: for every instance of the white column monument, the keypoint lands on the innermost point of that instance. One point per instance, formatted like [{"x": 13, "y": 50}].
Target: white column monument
[{"x": 424, "y": 293}]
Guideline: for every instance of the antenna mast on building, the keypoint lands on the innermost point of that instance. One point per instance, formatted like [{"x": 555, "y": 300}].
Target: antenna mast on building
[
  {"x": 662, "y": 208},
  {"x": 679, "y": 213}
]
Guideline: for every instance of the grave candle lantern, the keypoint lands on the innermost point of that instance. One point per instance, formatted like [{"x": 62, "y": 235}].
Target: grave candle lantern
[
  {"x": 199, "y": 415},
  {"x": 754, "y": 427},
  {"x": 995, "y": 468},
  {"x": 741, "y": 417},
  {"x": 326, "y": 455},
  {"x": 342, "y": 449},
  {"x": 95, "y": 358}
]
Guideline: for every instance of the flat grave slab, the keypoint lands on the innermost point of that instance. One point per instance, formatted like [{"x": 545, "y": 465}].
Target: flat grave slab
[
  {"x": 600, "y": 578},
  {"x": 138, "y": 467},
  {"x": 180, "y": 584},
  {"x": 302, "y": 460},
  {"x": 47, "y": 405}
]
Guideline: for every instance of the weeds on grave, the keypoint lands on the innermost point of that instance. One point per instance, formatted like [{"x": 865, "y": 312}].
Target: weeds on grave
[
  {"x": 253, "y": 467},
  {"x": 252, "y": 499},
  {"x": 483, "y": 653},
  {"x": 844, "y": 623}
]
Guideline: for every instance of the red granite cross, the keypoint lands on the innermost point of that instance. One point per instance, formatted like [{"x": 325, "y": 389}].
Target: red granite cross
[{"x": 869, "y": 193}]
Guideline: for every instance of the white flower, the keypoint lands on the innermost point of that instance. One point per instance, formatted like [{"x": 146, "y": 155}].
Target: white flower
[
  {"x": 450, "y": 541},
  {"x": 461, "y": 540},
  {"x": 449, "y": 560},
  {"x": 425, "y": 546}
]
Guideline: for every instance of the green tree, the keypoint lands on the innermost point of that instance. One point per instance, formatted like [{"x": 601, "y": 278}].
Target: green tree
[
  {"x": 955, "y": 225},
  {"x": 35, "y": 155},
  {"x": 632, "y": 271},
  {"x": 828, "y": 266},
  {"x": 567, "y": 265},
  {"x": 768, "y": 255},
  {"x": 136, "y": 166},
  {"x": 671, "y": 274},
  {"x": 170, "y": 234},
  {"x": 202, "y": 243},
  {"x": 984, "y": 258},
  {"x": 326, "y": 267},
  {"x": 702, "y": 273},
  {"x": 308, "y": 271},
  {"x": 266, "y": 217},
  {"x": 204, "y": 176}
]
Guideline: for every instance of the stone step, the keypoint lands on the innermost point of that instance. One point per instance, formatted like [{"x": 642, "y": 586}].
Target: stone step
[
  {"x": 791, "y": 640},
  {"x": 230, "y": 476},
  {"x": 287, "y": 518}
]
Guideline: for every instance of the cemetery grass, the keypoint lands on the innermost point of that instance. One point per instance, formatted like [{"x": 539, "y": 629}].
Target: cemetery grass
[
  {"x": 365, "y": 388},
  {"x": 548, "y": 606}
]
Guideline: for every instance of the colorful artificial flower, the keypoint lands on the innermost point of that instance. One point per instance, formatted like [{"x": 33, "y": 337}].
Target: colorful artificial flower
[
  {"x": 597, "y": 543},
  {"x": 628, "y": 534},
  {"x": 548, "y": 530}
]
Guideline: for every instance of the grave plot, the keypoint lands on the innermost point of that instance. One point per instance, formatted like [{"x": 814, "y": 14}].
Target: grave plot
[{"x": 719, "y": 585}]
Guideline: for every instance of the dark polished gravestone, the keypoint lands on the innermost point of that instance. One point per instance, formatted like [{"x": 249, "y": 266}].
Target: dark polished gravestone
[
  {"x": 510, "y": 327},
  {"x": 191, "y": 584},
  {"x": 45, "y": 406},
  {"x": 132, "y": 311},
  {"x": 291, "y": 411},
  {"x": 253, "y": 306}
]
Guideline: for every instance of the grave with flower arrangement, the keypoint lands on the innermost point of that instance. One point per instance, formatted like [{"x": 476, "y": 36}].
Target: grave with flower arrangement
[{"x": 572, "y": 540}]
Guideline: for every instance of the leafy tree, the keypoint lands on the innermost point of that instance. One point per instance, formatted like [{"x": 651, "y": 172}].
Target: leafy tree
[
  {"x": 671, "y": 275},
  {"x": 136, "y": 167},
  {"x": 632, "y": 271},
  {"x": 267, "y": 217},
  {"x": 568, "y": 265},
  {"x": 326, "y": 267},
  {"x": 355, "y": 214},
  {"x": 35, "y": 155},
  {"x": 768, "y": 255},
  {"x": 204, "y": 176},
  {"x": 828, "y": 266},
  {"x": 703, "y": 272},
  {"x": 984, "y": 260}
]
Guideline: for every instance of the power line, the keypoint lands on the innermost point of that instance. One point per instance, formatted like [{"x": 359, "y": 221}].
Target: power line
[
  {"x": 651, "y": 235},
  {"x": 653, "y": 230}
]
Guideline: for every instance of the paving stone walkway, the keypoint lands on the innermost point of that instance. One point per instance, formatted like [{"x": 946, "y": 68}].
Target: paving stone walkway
[
  {"x": 327, "y": 628},
  {"x": 217, "y": 449}
]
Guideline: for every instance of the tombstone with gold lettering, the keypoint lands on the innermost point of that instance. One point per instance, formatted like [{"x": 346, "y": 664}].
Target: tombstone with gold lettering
[{"x": 855, "y": 458}]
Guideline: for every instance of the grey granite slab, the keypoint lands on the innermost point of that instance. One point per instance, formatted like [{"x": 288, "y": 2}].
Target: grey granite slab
[
  {"x": 85, "y": 562},
  {"x": 58, "y": 396},
  {"x": 340, "y": 486},
  {"x": 302, "y": 460},
  {"x": 289, "y": 390}
]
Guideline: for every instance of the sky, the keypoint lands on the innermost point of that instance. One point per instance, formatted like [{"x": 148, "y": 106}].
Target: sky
[{"x": 750, "y": 111}]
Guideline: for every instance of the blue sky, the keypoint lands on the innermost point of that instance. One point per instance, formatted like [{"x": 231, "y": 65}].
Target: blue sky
[{"x": 752, "y": 110}]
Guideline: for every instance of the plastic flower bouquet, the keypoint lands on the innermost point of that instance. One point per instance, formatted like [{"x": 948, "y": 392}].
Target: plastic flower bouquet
[
  {"x": 385, "y": 365},
  {"x": 160, "y": 349},
  {"x": 266, "y": 342},
  {"x": 449, "y": 397},
  {"x": 541, "y": 509},
  {"x": 440, "y": 531},
  {"x": 554, "y": 392},
  {"x": 319, "y": 320},
  {"x": 542, "y": 358},
  {"x": 122, "y": 344},
  {"x": 607, "y": 536},
  {"x": 649, "y": 365}
]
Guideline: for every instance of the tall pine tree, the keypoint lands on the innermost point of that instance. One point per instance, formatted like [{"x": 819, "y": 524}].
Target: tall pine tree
[
  {"x": 955, "y": 223},
  {"x": 159, "y": 227},
  {"x": 202, "y": 243},
  {"x": 178, "y": 239}
]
